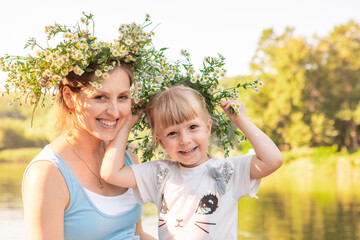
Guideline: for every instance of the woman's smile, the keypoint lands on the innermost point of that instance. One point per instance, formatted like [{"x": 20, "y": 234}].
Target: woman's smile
[{"x": 108, "y": 123}]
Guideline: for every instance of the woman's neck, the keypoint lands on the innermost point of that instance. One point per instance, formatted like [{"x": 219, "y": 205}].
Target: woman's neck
[{"x": 85, "y": 144}]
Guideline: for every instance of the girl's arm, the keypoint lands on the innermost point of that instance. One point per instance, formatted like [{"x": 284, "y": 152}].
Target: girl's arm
[
  {"x": 113, "y": 169},
  {"x": 268, "y": 157},
  {"x": 139, "y": 230},
  {"x": 45, "y": 197}
]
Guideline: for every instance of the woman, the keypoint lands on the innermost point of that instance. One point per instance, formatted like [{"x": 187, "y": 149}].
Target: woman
[{"x": 63, "y": 194}]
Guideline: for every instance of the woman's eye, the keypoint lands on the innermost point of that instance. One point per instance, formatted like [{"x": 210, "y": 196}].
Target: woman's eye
[
  {"x": 123, "y": 97},
  {"x": 99, "y": 97}
]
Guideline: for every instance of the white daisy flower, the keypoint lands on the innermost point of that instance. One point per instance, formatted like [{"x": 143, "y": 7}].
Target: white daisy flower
[
  {"x": 139, "y": 85},
  {"x": 38, "y": 53},
  {"x": 84, "y": 47},
  {"x": 64, "y": 72},
  {"x": 78, "y": 55},
  {"x": 106, "y": 75},
  {"x": 47, "y": 73},
  {"x": 98, "y": 73},
  {"x": 115, "y": 53},
  {"x": 56, "y": 77},
  {"x": 60, "y": 61},
  {"x": 94, "y": 45},
  {"x": 78, "y": 70},
  {"x": 128, "y": 41},
  {"x": 191, "y": 70},
  {"x": 198, "y": 76}
]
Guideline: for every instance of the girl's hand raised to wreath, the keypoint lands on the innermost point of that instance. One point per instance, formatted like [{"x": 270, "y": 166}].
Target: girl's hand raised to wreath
[{"x": 235, "y": 110}]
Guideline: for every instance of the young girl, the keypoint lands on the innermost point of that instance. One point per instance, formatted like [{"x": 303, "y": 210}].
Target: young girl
[{"x": 197, "y": 196}]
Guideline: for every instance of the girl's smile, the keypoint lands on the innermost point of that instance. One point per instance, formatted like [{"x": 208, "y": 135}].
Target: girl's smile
[{"x": 186, "y": 142}]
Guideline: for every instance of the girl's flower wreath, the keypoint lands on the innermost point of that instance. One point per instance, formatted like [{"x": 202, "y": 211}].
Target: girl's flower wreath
[{"x": 33, "y": 78}]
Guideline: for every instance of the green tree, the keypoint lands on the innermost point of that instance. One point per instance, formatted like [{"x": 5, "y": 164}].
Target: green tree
[
  {"x": 15, "y": 125},
  {"x": 281, "y": 63},
  {"x": 338, "y": 58}
]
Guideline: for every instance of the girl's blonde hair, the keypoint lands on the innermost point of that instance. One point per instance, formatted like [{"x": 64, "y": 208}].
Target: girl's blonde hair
[{"x": 175, "y": 105}]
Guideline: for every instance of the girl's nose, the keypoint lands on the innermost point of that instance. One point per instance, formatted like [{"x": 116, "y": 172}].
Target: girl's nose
[{"x": 184, "y": 139}]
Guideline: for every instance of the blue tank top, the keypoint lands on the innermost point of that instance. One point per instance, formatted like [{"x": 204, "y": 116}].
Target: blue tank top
[{"x": 82, "y": 219}]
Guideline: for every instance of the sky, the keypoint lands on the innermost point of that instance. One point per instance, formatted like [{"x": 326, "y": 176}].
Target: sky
[{"x": 203, "y": 27}]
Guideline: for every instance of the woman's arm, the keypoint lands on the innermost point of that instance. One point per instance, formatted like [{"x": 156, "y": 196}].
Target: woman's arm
[
  {"x": 268, "y": 157},
  {"x": 45, "y": 197}
]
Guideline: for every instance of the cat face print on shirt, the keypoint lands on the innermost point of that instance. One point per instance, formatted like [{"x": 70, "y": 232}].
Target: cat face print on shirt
[{"x": 206, "y": 206}]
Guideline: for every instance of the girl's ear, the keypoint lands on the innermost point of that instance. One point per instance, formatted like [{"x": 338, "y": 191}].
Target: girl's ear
[
  {"x": 209, "y": 125},
  {"x": 158, "y": 139},
  {"x": 68, "y": 97}
]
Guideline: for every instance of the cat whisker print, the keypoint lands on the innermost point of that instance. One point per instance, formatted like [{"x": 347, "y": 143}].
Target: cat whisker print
[
  {"x": 162, "y": 222},
  {"x": 205, "y": 223}
]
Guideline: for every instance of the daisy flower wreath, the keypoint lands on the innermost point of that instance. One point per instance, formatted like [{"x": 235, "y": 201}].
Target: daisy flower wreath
[{"x": 34, "y": 78}]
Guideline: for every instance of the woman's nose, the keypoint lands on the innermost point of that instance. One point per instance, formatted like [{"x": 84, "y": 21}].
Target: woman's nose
[{"x": 112, "y": 109}]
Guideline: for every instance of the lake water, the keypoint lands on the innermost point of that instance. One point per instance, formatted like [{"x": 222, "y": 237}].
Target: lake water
[{"x": 292, "y": 205}]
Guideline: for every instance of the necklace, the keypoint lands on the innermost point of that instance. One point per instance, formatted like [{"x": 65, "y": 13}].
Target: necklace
[{"x": 100, "y": 182}]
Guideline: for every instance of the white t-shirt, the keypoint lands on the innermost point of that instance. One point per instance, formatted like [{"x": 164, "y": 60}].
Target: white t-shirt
[{"x": 190, "y": 202}]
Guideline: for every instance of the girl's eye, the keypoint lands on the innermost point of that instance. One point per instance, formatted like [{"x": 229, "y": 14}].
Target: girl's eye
[
  {"x": 193, "y": 127},
  {"x": 171, "y": 134}
]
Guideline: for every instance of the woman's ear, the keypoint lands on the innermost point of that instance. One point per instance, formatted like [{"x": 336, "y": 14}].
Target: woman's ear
[{"x": 68, "y": 97}]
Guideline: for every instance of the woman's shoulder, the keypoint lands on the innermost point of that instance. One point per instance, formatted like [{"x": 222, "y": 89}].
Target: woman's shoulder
[{"x": 44, "y": 169}]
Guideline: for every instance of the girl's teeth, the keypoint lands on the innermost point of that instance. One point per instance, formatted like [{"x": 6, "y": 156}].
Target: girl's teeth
[{"x": 188, "y": 151}]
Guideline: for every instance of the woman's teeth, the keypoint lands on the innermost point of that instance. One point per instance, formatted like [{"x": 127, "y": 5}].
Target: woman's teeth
[{"x": 107, "y": 123}]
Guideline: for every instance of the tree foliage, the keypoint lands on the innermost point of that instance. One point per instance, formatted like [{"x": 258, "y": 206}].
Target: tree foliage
[
  {"x": 311, "y": 91},
  {"x": 15, "y": 126}
]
